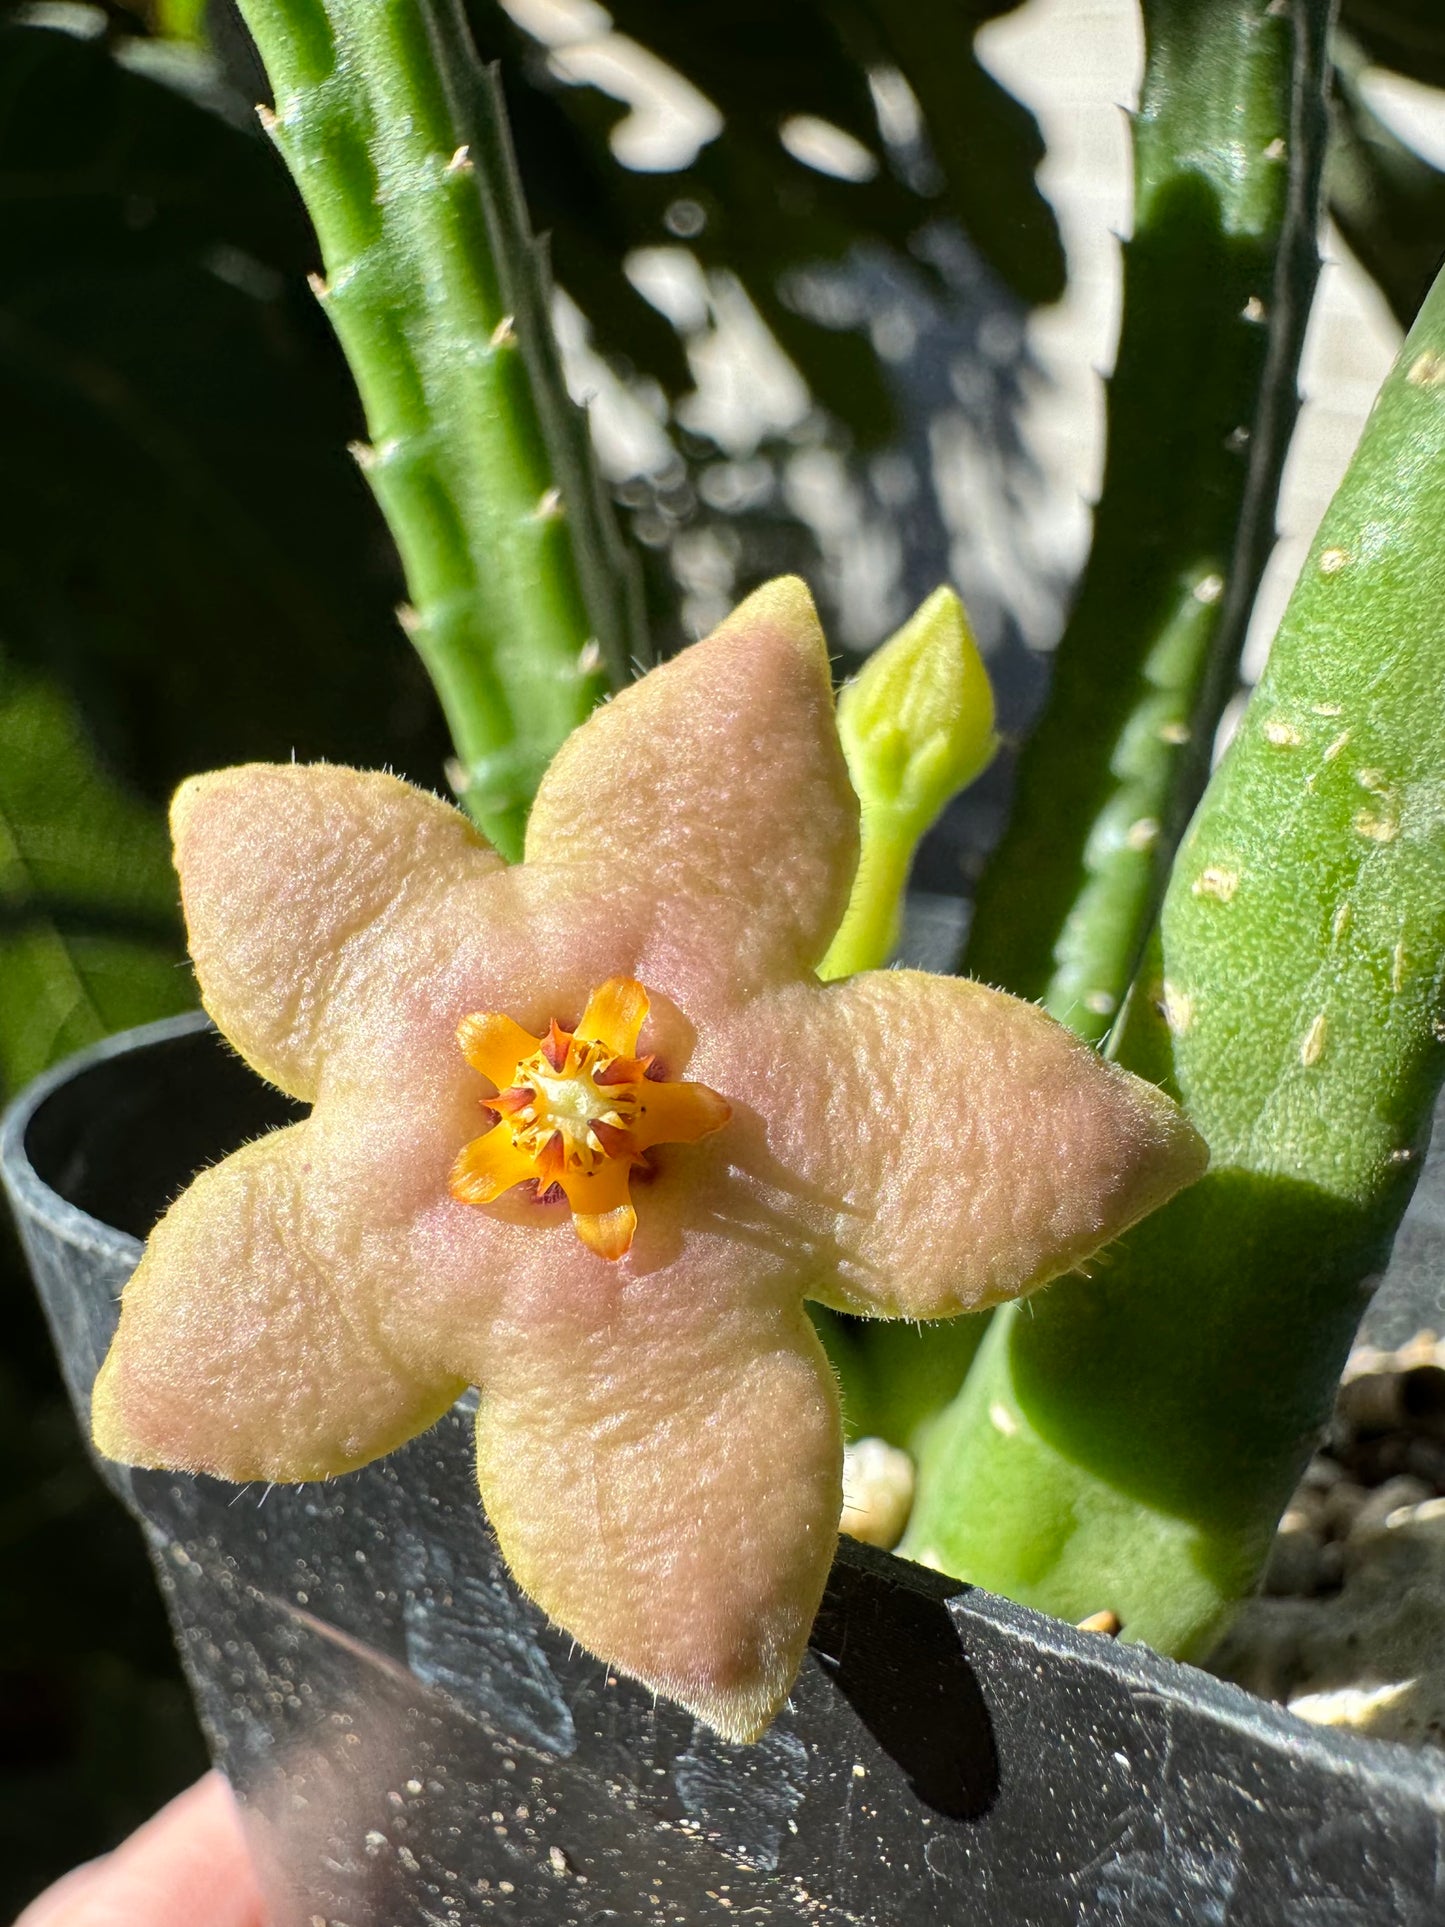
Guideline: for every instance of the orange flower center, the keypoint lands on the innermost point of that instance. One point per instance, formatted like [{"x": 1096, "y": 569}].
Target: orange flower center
[
  {"x": 578, "y": 1110},
  {"x": 572, "y": 1105}
]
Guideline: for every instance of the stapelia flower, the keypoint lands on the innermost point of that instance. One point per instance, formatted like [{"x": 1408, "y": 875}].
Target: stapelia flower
[{"x": 659, "y": 1444}]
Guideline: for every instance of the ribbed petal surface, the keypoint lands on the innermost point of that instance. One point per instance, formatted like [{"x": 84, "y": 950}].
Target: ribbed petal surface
[
  {"x": 719, "y": 777},
  {"x": 258, "y": 1338},
  {"x": 666, "y": 1483},
  {"x": 288, "y": 872},
  {"x": 950, "y": 1146}
]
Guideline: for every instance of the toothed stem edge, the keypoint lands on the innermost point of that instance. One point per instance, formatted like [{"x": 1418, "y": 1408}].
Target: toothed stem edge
[
  {"x": 520, "y": 591},
  {"x": 1229, "y": 146}
]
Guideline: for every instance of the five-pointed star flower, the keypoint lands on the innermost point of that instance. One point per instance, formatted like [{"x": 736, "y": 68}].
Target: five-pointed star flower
[{"x": 659, "y": 1444}]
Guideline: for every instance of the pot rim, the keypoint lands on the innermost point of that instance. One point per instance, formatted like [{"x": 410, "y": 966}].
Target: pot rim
[{"x": 19, "y": 1176}]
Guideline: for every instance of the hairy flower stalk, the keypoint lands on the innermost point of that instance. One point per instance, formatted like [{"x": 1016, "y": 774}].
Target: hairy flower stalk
[
  {"x": 522, "y": 603},
  {"x": 586, "y": 1132}
]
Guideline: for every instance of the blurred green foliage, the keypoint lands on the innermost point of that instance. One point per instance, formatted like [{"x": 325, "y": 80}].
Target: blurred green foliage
[
  {"x": 88, "y": 934},
  {"x": 1387, "y": 200},
  {"x": 745, "y": 204},
  {"x": 192, "y": 555},
  {"x": 1406, "y": 35}
]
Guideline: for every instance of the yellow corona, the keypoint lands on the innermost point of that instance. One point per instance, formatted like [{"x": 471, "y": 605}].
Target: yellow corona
[{"x": 577, "y": 1110}]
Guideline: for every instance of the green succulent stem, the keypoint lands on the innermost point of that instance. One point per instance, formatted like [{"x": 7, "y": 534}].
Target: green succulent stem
[
  {"x": 1229, "y": 145},
  {"x": 1128, "y": 1441},
  {"x": 521, "y": 604}
]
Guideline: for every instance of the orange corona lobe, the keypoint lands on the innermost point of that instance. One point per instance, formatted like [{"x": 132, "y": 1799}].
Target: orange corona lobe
[{"x": 577, "y": 1109}]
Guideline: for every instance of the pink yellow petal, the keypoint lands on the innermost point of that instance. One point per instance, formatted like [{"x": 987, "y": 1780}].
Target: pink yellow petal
[
  {"x": 251, "y": 1336},
  {"x": 288, "y": 875},
  {"x": 953, "y": 1146},
  {"x": 667, "y": 1486},
  {"x": 718, "y": 779}
]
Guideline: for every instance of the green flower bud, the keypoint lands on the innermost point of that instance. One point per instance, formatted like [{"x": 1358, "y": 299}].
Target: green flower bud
[
  {"x": 917, "y": 721},
  {"x": 917, "y": 727}
]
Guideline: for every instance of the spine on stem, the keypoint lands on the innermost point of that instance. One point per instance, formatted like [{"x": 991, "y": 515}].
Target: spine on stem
[
  {"x": 521, "y": 604},
  {"x": 1128, "y": 1442},
  {"x": 1229, "y": 146}
]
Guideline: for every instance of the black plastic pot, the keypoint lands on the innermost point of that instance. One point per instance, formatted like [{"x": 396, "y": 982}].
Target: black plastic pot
[{"x": 414, "y": 1745}]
